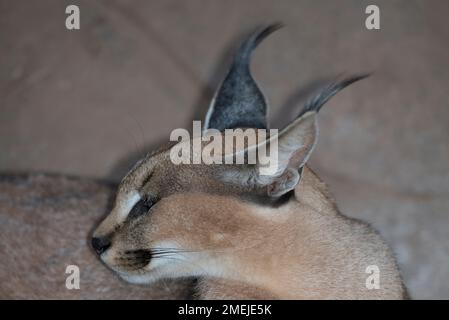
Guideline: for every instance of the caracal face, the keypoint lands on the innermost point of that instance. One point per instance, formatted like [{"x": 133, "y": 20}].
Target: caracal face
[
  {"x": 165, "y": 215},
  {"x": 271, "y": 233},
  {"x": 173, "y": 220}
]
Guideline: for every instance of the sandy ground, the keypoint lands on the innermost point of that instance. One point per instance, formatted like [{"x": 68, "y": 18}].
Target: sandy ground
[{"x": 89, "y": 102}]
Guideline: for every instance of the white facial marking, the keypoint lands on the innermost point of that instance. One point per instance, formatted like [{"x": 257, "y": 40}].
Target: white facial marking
[{"x": 132, "y": 198}]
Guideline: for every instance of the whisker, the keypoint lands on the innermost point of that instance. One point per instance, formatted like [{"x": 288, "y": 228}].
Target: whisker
[{"x": 171, "y": 249}]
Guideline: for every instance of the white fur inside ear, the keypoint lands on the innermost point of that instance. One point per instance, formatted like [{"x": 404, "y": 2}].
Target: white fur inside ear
[
  {"x": 284, "y": 183},
  {"x": 297, "y": 141}
]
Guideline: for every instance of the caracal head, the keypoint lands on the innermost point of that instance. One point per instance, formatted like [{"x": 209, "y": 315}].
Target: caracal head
[{"x": 175, "y": 220}]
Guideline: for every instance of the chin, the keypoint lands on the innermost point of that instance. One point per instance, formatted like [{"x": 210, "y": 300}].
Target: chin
[
  {"x": 146, "y": 275},
  {"x": 139, "y": 278}
]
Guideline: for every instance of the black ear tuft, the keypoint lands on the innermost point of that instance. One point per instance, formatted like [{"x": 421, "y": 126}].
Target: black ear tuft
[
  {"x": 244, "y": 53},
  {"x": 239, "y": 102},
  {"x": 317, "y": 101}
]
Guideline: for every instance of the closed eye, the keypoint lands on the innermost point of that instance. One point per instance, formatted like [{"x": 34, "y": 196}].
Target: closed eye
[{"x": 140, "y": 208}]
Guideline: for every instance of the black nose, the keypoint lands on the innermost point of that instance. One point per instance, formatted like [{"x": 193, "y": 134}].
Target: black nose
[{"x": 100, "y": 244}]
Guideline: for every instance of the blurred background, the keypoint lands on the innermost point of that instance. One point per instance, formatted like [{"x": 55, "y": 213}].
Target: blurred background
[{"x": 89, "y": 102}]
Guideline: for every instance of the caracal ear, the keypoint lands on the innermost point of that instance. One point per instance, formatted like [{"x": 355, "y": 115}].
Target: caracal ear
[
  {"x": 297, "y": 141},
  {"x": 295, "y": 145},
  {"x": 239, "y": 102}
]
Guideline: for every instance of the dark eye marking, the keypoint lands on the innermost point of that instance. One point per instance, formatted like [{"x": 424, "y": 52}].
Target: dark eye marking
[
  {"x": 141, "y": 207},
  {"x": 147, "y": 179}
]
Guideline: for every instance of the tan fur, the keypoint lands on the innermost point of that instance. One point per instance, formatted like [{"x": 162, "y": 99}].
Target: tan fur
[
  {"x": 302, "y": 249},
  {"x": 46, "y": 222}
]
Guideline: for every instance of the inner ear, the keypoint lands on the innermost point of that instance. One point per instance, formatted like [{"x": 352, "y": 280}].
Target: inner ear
[
  {"x": 286, "y": 182},
  {"x": 297, "y": 141},
  {"x": 289, "y": 151},
  {"x": 295, "y": 145}
]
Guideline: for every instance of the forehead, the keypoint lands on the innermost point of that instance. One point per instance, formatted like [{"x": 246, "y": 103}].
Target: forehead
[
  {"x": 157, "y": 174},
  {"x": 142, "y": 172}
]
